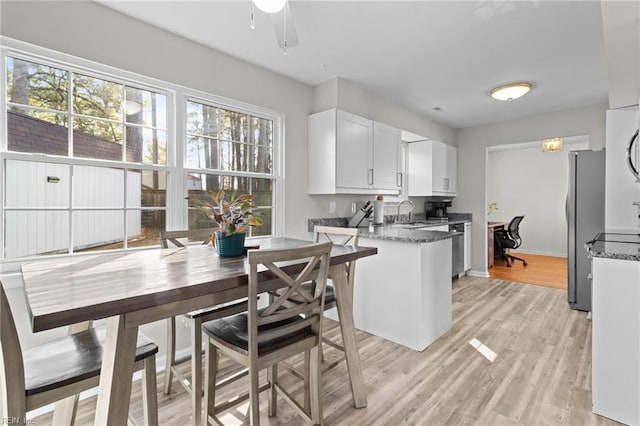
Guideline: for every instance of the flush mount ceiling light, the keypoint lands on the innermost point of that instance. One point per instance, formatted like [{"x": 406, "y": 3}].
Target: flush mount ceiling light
[
  {"x": 269, "y": 6},
  {"x": 552, "y": 145},
  {"x": 512, "y": 91}
]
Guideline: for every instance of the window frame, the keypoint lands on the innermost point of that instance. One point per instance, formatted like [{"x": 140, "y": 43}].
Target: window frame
[
  {"x": 277, "y": 174},
  {"x": 176, "y": 186}
]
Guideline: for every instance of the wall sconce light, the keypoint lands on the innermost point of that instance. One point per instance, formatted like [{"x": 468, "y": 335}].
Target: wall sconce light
[{"x": 552, "y": 145}]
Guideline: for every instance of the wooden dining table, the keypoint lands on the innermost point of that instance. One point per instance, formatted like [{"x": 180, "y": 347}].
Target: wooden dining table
[{"x": 138, "y": 287}]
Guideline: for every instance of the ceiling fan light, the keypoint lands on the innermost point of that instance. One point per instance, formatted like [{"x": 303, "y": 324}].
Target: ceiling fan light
[
  {"x": 552, "y": 145},
  {"x": 512, "y": 91},
  {"x": 270, "y": 6}
]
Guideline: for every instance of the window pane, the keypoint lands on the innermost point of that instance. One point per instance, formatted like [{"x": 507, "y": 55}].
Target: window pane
[
  {"x": 202, "y": 119},
  {"x": 260, "y": 160},
  {"x": 36, "y": 85},
  {"x": 262, "y": 190},
  {"x": 97, "y": 98},
  {"x": 146, "y": 108},
  {"x": 41, "y": 132},
  {"x": 267, "y": 223},
  {"x": 98, "y": 187},
  {"x": 148, "y": 224},
  {"x": 154, "y": 189},
  {"x": 148, "y": 146},
  {"x": 226, "y": 140},
  {"x": 35, "y": 184},
  {"x": 99, "y": 230},
  {"x": 97, "y": 139},
  {"x": 30, "y": 233}
]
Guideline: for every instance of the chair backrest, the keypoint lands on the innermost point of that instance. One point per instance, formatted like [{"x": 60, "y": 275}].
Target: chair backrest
[
  {"x": 343, "y": 237},
  {"x": 514, "y": 229},
  {"x": 174, "y": 237},
  {"x": 309, "y": 300},
  {"x": 11, "y": 363}
]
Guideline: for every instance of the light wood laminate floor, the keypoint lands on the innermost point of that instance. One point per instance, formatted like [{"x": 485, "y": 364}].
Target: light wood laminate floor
[{"x": 541, "y": 376}]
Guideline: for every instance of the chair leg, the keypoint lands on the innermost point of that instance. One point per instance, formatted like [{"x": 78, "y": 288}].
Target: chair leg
[
  {"x": 513, "y": 258},
  {"x": 171, "y": 354},
  {"x": 210, "y": 372},
  {"x": 149, "y": 392},
  {"x": 64, "y": 412},
  {"x": 315, "y": 386},
  {"x": 306, "y": 374},
  {"x": 254, "y": 396},
  {"x": 272, "y": 377},
  {"x": 196, "y": 371}
]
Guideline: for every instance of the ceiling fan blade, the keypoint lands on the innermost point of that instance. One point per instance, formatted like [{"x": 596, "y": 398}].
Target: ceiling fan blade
[{"x": 284, "y": 27}]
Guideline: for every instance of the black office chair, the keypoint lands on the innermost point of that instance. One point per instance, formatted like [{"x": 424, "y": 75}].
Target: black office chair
[{"x": 509, "y": 239}]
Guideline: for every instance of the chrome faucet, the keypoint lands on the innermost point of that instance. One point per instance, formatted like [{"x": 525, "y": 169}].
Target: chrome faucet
[{"x": 400, "y": 205}]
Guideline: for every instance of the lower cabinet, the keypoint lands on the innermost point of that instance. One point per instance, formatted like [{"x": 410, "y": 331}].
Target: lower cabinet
[
  {"x": 616, "y": 339},
  {"x": 404, "y": 294}
]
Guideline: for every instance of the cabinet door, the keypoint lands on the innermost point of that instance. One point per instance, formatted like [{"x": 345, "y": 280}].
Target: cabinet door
[
  {"x": 451, "y": 183},
  {"x": 354, "y": 168},
  {"x": 439, "y": 168},
  {"x": 419, "y": 176},
  {"x": 386, "y": 146}
]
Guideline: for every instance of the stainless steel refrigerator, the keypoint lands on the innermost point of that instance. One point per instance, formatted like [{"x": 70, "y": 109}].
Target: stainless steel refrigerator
[{"x": 585, "y": 218}]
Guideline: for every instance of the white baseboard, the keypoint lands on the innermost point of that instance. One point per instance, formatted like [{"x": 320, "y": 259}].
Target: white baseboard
[
  {"x": 541, "y": 253},
  {"x": 480, "y": 274}
]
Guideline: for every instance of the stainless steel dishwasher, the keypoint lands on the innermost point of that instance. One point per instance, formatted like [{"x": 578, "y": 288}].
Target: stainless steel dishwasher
[{"x": 457, "y": 252}]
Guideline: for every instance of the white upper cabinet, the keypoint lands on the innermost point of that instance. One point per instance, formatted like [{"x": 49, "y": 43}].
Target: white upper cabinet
[
  {"x": 350, "y": 154},
  {"x": 432, "y": 169}
]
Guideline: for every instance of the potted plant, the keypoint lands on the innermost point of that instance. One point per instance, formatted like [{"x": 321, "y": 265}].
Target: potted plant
[{"x": 232, "y": 214}]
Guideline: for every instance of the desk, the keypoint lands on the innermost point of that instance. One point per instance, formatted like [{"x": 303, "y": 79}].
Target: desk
[
  {"x": 491, "y": 227},
  {"x": 138, "y": 287}
]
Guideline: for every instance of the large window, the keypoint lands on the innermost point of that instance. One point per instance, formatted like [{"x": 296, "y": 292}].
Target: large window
[
  {"x": 92, "y": 158},
  {"x": 233, "y": 151},
  {"x": 61, "y": 204}
]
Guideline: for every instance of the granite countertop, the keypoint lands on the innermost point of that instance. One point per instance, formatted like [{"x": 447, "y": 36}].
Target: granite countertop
[
  {"x": 411, "y": 233},
  {"x": 615, "y": 246}
]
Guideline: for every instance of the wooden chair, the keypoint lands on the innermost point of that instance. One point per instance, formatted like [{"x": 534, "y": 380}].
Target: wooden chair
[
  {"x": 262, "y": 338},
  {"x": 196, "y": 318},
  {"x": 61, "y": 369},
  {"x": 344, "y": 237}
]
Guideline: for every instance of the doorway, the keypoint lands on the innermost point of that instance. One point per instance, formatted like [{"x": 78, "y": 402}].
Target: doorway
[{"x": 524, "y": 181}]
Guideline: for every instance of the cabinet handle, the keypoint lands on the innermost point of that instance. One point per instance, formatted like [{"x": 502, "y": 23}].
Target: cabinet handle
[
  {"x": 446, "y": 183},
  {"x": 399, "y": 180},
  {"x": 370, "y": 177}
]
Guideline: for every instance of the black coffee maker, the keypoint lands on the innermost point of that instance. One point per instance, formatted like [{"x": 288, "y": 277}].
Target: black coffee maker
[{"x": 437, "y": 210}]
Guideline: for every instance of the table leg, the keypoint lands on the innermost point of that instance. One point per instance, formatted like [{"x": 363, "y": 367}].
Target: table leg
[
  {"x": 118, "y": 359},
  {"x": 344, "y": 296}
]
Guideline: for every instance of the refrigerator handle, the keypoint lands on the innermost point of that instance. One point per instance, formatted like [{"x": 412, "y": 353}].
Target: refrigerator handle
[{"x": 633, "y": 167}]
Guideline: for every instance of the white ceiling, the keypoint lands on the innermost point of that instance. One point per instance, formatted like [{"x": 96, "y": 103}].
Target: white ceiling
[{"x": 420, "y": 54}]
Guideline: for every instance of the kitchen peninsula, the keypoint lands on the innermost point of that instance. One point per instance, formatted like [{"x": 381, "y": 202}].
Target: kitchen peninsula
[{"x": 404, "y": 295}]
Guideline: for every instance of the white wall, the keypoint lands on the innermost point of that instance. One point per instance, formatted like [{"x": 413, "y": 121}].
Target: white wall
[
  {"x": 472, "y": 156},
  {"x": 525, "y": 181}
]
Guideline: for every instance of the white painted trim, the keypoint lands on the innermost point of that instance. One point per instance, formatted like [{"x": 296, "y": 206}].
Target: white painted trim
[
  {"x": 480, "y": 274},
  {"x": 568, "y": 140}
]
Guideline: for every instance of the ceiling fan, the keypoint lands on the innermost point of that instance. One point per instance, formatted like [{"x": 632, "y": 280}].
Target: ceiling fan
[{"x": 281, "y": 20}]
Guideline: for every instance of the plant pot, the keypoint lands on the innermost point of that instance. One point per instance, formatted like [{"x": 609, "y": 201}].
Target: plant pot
[{"x": 230, "y": 245}]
